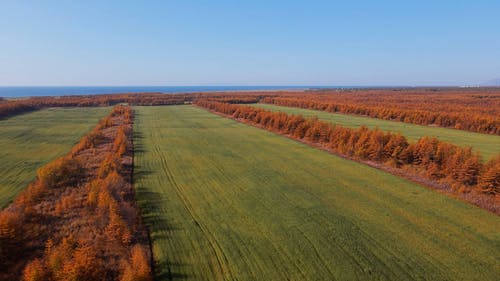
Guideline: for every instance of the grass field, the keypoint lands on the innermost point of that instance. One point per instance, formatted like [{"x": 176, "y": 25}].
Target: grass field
[
  {"x": 227, "y": 201},
  {"x": 487, "y": 145},
  {"x": 30, "y": 140}
]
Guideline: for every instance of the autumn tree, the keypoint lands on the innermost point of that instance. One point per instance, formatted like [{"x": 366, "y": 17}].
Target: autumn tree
[
  {"x": 489, "y": 180},
  {"x": 63, "y": 171},
  {"x": 35, "y": 271},
  {"x": 138, "y": 267}
]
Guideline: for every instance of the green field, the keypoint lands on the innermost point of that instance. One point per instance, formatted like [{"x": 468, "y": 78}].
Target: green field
[
  {"x": 30, "y": 140},
  {"x": 227, "y": 201},
  {"x": 487, "y": 145}
]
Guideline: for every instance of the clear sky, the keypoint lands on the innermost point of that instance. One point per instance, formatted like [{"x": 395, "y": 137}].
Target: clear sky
[{"x": 439, "y": 42}]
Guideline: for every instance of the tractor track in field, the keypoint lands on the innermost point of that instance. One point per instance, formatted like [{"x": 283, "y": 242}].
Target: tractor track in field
[
  {"x": 217, "y": 250},
  {"x": 279, "y": 211}
]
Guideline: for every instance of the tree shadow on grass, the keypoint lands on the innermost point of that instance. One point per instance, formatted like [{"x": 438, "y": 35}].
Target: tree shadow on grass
[
  {"x": 152, "y": 205},
  {"x": 140, "y": 173},
  {"x": 138, "y": 147},
  {"x": 159, "y": 228},
  {"x": 163, "y": 271}
]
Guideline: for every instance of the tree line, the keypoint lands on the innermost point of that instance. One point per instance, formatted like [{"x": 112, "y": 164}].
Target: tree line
[
  {"x": 470, "y": 111},
  {"x": 78, "y": 220},
  {"x": 458, "y": 168},
  {"x": 13, "y": 107},
  {"x": 17, "y": 106}
]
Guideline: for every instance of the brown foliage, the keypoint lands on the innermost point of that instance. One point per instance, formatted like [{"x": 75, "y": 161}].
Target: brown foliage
[
  {"x": 9, "y": 108},
  {"x": 10, "y": 226},
  {"x": 489, "y": 180},
  {"x": 69, "y": 260},
  {"x": 63, "y": 171},
  {"x": 110, "y": 163},
  {"x": 15, "y": 107},
  {"x": 35, "y": 271},
  {"x": 476, "y": 111},
  {"x": 137, "y": 268}
]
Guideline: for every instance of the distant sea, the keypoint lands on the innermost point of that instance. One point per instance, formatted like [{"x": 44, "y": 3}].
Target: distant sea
[{"x": 12, "y": 92}]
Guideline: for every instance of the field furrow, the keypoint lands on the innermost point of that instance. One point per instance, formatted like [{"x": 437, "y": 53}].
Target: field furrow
[{"x": 224, "y": 200}]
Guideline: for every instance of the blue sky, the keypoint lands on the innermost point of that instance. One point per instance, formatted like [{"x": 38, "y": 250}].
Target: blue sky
[{"x": 249, "y": 42}]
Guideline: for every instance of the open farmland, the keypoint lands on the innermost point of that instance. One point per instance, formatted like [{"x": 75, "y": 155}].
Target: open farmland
[
  {"x": 226, "y": 201},
  {"x": 487, "y": 145},
  {"x": 30, "y": 140}
]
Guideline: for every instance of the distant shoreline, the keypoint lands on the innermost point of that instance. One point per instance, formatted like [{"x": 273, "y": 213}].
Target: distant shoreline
[
  {"x": 20, "y": 91},
  {"x": 10, "y": 92}
]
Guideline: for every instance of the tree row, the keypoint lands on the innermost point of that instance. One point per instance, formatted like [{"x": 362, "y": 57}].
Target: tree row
[
  {"x": 479, "y": 113},
  {"x": 78, "y": 220},
  {"x": 458, "y": 168},
  {"x": 25, "y": 105}
]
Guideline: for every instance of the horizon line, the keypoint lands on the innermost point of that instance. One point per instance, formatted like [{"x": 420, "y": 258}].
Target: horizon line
[{"x": 253, "y": 85}]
